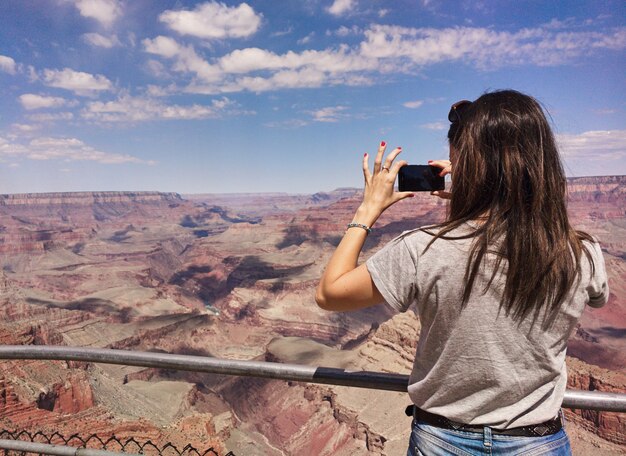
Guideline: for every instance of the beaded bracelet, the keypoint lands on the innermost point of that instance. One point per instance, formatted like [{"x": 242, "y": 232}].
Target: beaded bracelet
[{"x": 360, "y": 225}]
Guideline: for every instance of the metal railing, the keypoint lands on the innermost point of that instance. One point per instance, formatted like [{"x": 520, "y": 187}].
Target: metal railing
[{"x": 574, "y": 399}]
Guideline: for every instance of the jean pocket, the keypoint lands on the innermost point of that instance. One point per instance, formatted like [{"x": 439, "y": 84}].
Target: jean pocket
[
  {"x": 430, "y": 440},
  {"x": 557, "y": 446}
]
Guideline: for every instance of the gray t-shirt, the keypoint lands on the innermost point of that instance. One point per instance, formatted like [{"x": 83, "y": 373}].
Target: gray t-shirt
[{"x": 476, "y": 365}]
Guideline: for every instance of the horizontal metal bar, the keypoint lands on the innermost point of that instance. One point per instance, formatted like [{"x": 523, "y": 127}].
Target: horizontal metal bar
[
  {"x": 575, "y": 399},
  {"x": 59, "y": 450}
]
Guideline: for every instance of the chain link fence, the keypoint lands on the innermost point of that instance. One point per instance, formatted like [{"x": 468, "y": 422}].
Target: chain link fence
[{"x": 112, "y": 443}]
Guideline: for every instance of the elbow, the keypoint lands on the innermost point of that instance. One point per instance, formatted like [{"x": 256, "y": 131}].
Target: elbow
[
  {"x": 320, "y": 299},
  {"x": 328, "y": 298}
]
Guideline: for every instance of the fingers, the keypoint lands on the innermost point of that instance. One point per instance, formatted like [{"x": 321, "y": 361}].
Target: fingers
[
  {"x": 392, "y": 171},
  {"x": 439, "y": 163},
  {"x": 445, "y": 165},
  {"x": 366, "y": 169},
  {"x": 379, "y": 157},
  {"x": 395, "y": 169},
  {"x": 391, "y": 157}
]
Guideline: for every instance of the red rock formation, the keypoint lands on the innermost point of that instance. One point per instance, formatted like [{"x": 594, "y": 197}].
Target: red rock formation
[
  {"x": 217, "y": 277},
  {"x": 72, "y": 396},
  {"x": 605, "y": 189},
  {"x": 609, "y": 425},
  {"x": 90, "y": 199}
]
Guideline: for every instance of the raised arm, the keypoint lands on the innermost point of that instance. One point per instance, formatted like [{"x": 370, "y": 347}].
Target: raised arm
[{"x": 345, "y": 285}]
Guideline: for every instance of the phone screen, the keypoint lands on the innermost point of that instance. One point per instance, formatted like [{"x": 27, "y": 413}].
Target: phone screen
[{"x": 420, "y": 178}]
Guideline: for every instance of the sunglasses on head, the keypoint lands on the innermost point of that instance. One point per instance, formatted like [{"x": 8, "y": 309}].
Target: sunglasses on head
[{"x": 455, "y": 110}]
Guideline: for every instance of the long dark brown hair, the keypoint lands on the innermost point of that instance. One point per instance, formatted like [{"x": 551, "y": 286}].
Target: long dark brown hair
[{"x": 508, "y": 176}]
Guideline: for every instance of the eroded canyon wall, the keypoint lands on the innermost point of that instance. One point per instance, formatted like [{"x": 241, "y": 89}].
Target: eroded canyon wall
[{"x": 233, "y": 276}]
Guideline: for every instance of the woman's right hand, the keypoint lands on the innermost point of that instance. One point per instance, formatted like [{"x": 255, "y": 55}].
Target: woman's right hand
[
  {"x": 446, "y": 168},
  {"x": 379, "y": 193}
]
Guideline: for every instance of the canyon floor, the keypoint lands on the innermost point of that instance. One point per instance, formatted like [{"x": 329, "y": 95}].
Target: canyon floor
[{"x": 233, "y": 276}]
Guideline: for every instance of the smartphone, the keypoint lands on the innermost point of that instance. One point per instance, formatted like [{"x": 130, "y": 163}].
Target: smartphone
[{"x": 420, "y": 178}]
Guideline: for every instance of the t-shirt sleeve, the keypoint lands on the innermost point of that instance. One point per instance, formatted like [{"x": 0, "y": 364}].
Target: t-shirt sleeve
[
  {"x": 598, "y": 288},
  {"x": 394, "y": 272}
]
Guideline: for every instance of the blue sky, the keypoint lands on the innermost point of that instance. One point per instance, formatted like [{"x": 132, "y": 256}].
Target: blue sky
[{"x": 264, "y": 96}]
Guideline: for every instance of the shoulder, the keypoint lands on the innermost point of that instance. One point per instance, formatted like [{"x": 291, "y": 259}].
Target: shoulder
[
  {"x": 593, "y": 249},
  {"x": 597, "y": 286},
  {"x": 593, "y": 245},
  {"x": 425, "y": 238}
]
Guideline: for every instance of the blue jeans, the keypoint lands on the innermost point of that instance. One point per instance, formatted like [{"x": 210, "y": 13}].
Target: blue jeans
[{"x": 429, "y": 440}]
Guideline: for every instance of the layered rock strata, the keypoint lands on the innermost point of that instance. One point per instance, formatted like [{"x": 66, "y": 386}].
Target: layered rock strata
[{"x": 217, "y": 277}]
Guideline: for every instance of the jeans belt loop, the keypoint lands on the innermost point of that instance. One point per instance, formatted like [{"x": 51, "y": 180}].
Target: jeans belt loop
[{"x": 487, "y": 439}]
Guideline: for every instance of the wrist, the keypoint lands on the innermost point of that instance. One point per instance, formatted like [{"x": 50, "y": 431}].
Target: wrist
[{"x": 365, "y": 216}]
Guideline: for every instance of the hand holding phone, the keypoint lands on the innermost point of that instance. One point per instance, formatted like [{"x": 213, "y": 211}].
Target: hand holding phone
[{"x": 420, "y": 178}]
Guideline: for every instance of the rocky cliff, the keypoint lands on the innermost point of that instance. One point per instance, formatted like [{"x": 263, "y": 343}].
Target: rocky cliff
[
  {"x": 608, "y": 189},
  {"x": 609, "y": 425},
  {"x": 213, "y": 276},
  {"x": 87, "y": 198},
  {"x": 39, "y": 222}
]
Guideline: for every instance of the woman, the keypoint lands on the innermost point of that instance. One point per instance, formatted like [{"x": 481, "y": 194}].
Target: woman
[{"x": 498, "y": 286}]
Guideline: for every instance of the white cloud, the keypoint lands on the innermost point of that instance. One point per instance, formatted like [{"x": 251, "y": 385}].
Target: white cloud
[
  {"x": 282, "y": 32},
  {"x": 333, "y": 62},
  {"x": 413, "y": 104},
  {"x": 605, "y": 111},
  {"x": 329, "y": 114},
  {"x": 287, "y": 124},
  {"x": 156, "y": 68},
  {"x": 163, "y": 46},
  {"x": 159, "y": 91},
  {"x": 104, "y": 11},
  {"x": 344, "y": 31},
  {"x": 213, "y": 20},
  {"x": 132, "y": 39},
  {"x": 435, "y": 126},
  {"x": 76, "y": 81},
  {"x": 486, "y": 48},
  {"x": 56, "y": 142},
  {"x": 7, "y": 64},
  {"x": 599, "y": 144},
  {"x": 32, "y": 101},
  {"x": 50, "y": 116},
  {"x": 137, "y": 109},
  {"x": 306, "y": 77},
  {"x": 32, "y": 73},
  {"x": 66, "y": 149},
  {"x": 95, "y": 39},
  {"x": 383, "y": 50},
  {"x": 340, "y": 7},
  {"x": 25, "y": 128},
  {"x": 307, "y": 39},
  {"x": 186, "y": 58},
  {"x": 251, "y": 59}
]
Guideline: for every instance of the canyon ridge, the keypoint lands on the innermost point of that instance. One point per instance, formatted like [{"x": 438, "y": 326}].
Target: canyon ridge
[{"x": 233, "y": 276}]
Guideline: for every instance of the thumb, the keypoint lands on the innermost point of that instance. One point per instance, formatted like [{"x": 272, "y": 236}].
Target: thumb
[
  {"x": 403, "y": 195},
  {"x": 442, "y": 194}
]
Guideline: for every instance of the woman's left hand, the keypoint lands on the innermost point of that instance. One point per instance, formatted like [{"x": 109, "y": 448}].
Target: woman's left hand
[
  {"x": 446, "y": 168},
  {"x": 379, "y": 194}
]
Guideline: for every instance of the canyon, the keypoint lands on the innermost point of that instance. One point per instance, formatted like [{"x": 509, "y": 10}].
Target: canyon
[{"x": 234, "y": 276}]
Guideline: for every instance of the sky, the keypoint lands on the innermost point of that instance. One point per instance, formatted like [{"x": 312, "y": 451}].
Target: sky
[{"x": 286, "y": 96}]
